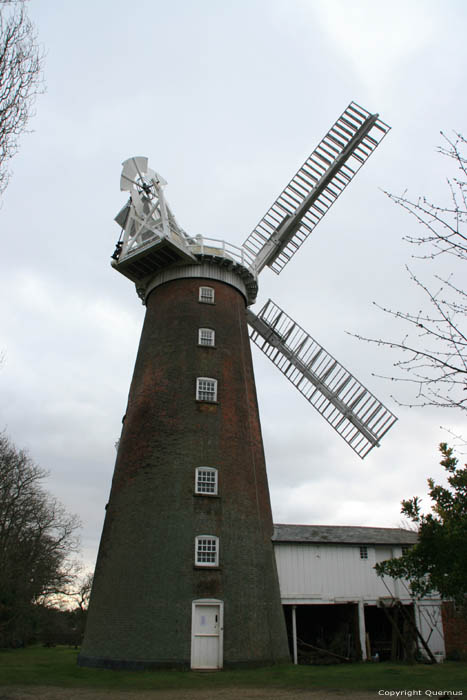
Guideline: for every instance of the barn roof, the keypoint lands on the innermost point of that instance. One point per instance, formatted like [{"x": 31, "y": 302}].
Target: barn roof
[{"x": 343, "y": 534}]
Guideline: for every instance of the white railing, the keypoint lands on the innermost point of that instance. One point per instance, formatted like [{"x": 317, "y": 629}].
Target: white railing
[
  {"x": 196, "y": 245},
  {"x": 202, "y": 245}
]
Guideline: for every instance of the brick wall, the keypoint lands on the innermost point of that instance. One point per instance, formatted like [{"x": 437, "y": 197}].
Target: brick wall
[
  {"x": 146, "y": 577},
  {"x": 455, "y": 632}
]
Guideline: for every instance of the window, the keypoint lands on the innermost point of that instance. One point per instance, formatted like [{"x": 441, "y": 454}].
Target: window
[
  {"x": 364, "y": 552},
  {"x": 206, "y": 295},
  {"x": 206, "y": 336},
  {"x": 207, "y": 550},
  {"x": 406, "y": 548},
  {"x": 206, "y": 480},
  {"x": 206, "y": 389}
]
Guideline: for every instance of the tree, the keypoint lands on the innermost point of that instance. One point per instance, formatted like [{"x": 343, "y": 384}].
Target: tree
[
  {"x": 434, "y": 349},
  {"x": 81, "y": 597},
  {"x": 84, "y": 591},
  {"x": 21, "y": 62},
  {"x": 438, "y": 561},
  {"x": 37, "y": 540},
  {"x": 65, "y": 620}
]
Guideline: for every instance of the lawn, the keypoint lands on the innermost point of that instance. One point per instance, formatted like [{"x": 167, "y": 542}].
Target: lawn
[{"x": 57, "y": 667}]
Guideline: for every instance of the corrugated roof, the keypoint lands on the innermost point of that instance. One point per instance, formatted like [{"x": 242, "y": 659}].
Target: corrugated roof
[{"x": 343, "y": 534}]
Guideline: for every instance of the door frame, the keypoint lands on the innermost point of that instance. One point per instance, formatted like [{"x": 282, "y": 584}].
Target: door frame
[{"x": 220, "y": 604}]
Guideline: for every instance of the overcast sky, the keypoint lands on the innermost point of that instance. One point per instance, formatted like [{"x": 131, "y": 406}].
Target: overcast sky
[{"x": 227, "y": 100}]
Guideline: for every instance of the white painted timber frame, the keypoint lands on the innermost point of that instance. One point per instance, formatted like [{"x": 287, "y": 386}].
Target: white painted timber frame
[
  {"x": 147, "y": 217},
  {"x": 212, "y": 539},
  {"x": 206, "y": 389},
  {"x": 206, "y": 337},
  {"x": 206, "y": 295},
  {"x": 199, "y": 482}
]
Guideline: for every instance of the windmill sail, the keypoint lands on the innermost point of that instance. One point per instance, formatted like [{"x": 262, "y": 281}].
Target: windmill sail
[
  {"x": 346, "y": 404},
  {"x": 315, "y": 187}
]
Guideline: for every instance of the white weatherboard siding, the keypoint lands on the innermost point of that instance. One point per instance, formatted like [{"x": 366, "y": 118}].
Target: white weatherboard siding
[
  {"x": 329, "y": 573},
  {"x": 319, "y": 565},
  {"x": 430, "y": 624}
]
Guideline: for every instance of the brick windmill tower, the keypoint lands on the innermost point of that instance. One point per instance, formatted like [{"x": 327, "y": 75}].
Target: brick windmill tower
[{"x": 185, "y": 574}]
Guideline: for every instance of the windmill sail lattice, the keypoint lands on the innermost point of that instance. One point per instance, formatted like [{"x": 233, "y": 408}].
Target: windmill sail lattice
[
  {"x": 315, "y": 187},
  {"x": 351, "y": 409}
]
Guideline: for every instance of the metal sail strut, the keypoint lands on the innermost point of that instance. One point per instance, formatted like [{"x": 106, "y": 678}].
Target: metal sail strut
[
  {"x": 358, "y": 416},
  {"x": 315, "y": 187}
]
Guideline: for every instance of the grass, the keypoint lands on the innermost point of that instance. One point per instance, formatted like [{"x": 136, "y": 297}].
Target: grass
[{"x": 57, "y": 667}]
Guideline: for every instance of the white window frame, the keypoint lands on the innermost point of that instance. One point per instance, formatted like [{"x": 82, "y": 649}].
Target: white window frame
[
  {"x": 363, "y": 551},
  {"x": 210, "y": 541},
  {"x": 202, "y": 389},
  {"x": 198, "y": 483},
  {"x": 206, "y": 334},
  {"x": 206, "y": 295}
]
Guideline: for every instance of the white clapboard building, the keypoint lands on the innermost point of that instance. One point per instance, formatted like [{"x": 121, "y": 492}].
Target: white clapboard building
[{"x": 335, "y": 605}]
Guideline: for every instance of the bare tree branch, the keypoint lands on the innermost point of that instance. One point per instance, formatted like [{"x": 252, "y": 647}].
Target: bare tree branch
[
  {"x": 21, "y": 61},
  {"x": 434, "y": 349}
]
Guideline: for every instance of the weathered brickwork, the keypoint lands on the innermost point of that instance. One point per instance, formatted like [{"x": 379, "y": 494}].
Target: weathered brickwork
[
  {"x": 455, "y": 632},
  {"x": 146, "y": 577}
]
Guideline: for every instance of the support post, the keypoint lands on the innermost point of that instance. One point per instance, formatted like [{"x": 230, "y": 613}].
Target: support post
[
  {"x": 362, "y": 629},
  {"x": 294, "y": 634},
  {"x": 413, "y": 626}
]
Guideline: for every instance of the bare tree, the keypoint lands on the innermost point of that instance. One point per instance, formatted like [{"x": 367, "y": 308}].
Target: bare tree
[
  {"x": 79, "y": 593},
  {"x": 21, "y": 62},
  {"x": 37, "y": 539},
  {"x": 434, "y": 349}
]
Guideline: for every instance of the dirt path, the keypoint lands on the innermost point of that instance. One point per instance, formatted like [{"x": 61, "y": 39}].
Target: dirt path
[{"x": 49, "y": 693}]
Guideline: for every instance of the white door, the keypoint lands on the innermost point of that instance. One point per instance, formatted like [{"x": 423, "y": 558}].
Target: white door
[{"x": 206, "y": 646}]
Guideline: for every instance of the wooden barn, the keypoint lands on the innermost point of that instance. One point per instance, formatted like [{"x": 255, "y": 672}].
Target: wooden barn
[{"x": 337, "y": 608}]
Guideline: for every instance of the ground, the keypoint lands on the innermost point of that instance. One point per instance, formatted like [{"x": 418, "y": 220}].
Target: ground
[{"x": 48, "y": 693}]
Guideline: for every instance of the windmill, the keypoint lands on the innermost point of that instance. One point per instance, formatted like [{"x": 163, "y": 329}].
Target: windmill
[{"x": 185, "y": 574}]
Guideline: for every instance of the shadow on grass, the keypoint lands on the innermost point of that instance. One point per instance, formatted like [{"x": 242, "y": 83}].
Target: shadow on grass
[{"x": 57, "y": 667}]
